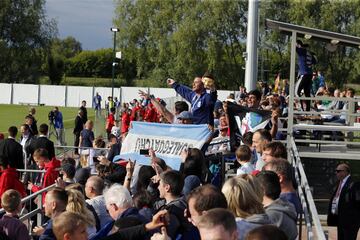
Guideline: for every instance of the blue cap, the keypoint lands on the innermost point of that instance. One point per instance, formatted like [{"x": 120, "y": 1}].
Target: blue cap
[{"x": 185, "y": 115}]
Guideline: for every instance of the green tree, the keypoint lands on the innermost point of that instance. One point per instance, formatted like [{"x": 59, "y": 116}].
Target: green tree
[
  {"x": 98, "y": 63},
  {"x": 25, "y": 36},
  {"x": 182, "y": 39},
  {"x": 55, "y": 69},
  {"x": 341, "y": 66},
  {"x": 68, "y": 47}
]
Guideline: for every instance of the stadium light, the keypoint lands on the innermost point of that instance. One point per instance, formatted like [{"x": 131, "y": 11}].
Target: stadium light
[
  {"x": 307, "y": 36},
  {"x": 334, "y": 41},
  {"x": 114, "y": 30}
]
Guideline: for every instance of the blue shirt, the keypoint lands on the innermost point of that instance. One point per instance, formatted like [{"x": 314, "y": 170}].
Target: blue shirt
[
  {"x": 305, "y": 61},
  {"x": 58, "y": 120},
  {"x": 48, "y": 233},
  {"x": 97, "y": 102},
  {"x": 202, "y": 106},
  {"x": 87, "y": 138},
  {"x": 293, "y": 198}
]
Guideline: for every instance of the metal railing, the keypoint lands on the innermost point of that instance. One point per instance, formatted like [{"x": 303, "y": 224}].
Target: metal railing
[
  {"x": 311, "y": 215},
  {"x": 319, "y": 133},
  {"x": 37, "y": 211}
]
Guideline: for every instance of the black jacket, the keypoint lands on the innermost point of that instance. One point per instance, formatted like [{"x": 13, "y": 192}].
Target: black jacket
[
  {"x": 348, "y": 206},
  {"x": 11, "y": 149},
  {"x": 42, "y": 142},
  {"x": 114, "y": 150},
  {"x": 178, "y": 224},
  {"x": 79, "y": 124},
  {"x": 85, "y": 118},
  {"x": 132, "y": 233}
]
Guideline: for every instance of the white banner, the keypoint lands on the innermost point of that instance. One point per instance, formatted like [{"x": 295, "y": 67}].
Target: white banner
[{"x": 167, "y": 140}]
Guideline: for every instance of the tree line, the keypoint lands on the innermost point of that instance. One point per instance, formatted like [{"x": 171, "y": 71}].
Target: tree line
[{"x": 178, "y": 39}]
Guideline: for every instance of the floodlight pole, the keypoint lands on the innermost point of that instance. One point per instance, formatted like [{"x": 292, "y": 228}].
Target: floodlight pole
[
  {"x": 114, "y": 30},
  {"x": 291, "y": 93},
  {"x": 113, "y": 67},
  {"x": 251, "y": 46}
]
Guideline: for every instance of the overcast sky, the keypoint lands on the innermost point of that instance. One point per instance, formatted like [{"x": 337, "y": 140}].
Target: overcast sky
[{"x": 89, "y": 21}]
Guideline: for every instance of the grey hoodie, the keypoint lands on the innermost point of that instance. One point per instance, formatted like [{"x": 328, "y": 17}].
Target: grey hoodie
[
  {"x": 283, "y": 215},
  {"x": 246, "y": 225}
]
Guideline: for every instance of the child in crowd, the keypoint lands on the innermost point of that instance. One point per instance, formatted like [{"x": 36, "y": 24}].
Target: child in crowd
[
  {"x": 68, "y": 173},
  {"x": 48, "y": 178},
  {"x": 70, "y": 226},
  {"x": 9, "y": 178},
  {"x": 10, "y": 225},
  {"x": 243, "y": 156}
]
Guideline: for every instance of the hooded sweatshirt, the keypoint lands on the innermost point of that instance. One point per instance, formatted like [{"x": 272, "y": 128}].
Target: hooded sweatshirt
[
  {"x": 9, "y": 179},
  {"x": 246, "y": 225},
  {"x": 283, "y": 215},
  {"x": 51, "y": 174}
]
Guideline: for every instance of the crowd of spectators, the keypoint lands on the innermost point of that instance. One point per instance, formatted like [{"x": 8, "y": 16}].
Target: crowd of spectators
[{"x": 96, "y": 198}]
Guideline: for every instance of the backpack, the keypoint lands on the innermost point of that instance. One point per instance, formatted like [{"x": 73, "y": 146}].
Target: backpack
[{"x": 177, "y": 208}]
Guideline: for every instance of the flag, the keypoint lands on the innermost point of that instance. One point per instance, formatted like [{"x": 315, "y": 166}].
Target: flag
[
  {"x": 277, "y": 83},
  {"x": 243, "y": 119},
  {"x": 167, "y": 140}
]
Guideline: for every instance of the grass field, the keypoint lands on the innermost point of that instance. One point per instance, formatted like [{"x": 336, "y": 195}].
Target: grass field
[{"x": 14, "y": 115}]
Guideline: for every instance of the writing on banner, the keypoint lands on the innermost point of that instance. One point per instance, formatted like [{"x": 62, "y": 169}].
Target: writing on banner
[
  {"x": 167, "y": 140},
  {"x": 162, "y": 146}
]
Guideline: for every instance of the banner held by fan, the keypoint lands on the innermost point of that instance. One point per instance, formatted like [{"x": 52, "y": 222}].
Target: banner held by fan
[{"x": 167, "y": 140}]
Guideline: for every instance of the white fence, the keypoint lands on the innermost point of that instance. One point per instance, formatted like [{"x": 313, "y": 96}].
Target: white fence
[{"x": 71, "y": 96}]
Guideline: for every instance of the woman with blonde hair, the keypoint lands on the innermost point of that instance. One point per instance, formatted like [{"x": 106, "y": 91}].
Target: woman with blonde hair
[
  {"x": 244, "y": 202},
  {"x": 254, "y": 184},
  {"x": 77, "y": 204}
]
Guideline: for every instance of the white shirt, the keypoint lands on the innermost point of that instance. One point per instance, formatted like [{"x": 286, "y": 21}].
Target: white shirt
[
  {"x": 23, "y": 141},
  {"x": 343, "y": 182},
  {"x": 335, "y": 201},
  {"x": 246, "y": 168}
]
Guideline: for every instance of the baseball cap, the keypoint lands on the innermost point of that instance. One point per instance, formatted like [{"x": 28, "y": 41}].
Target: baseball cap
[{"x": 185, "y": 115}]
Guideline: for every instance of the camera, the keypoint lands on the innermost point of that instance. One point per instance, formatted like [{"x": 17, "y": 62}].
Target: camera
[{"x": 51, "y": 116}]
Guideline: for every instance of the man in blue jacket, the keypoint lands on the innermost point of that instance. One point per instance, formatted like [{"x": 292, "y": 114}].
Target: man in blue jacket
[
  {"x": 202, "y": 103},
  {"x": 306, "y": 60},
  {"x": 59, "y": 126}
]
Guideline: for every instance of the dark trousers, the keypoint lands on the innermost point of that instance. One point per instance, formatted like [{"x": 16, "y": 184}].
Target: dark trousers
[
  {"x": 76, "y": 143},
  {"x": 304, "y": 83},
  {"x": 348, "y": 232}
]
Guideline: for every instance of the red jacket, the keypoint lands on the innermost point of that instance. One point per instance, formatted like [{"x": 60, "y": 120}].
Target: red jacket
[
  {"x": 9, "y": 179},
  {"x": 125, "y": 122},
  {"x": 134, "y": 110},
  {"x": 150, "y": 115},
  {"x": 110, "y": 122},
  {"x": 50, "y": 176}
]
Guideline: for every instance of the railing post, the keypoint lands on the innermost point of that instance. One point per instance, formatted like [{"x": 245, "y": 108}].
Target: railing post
[
  {"x": 292, "y": 94},
  {"x": 350, "y": 119},
  {"x": 39, "y": 204}
]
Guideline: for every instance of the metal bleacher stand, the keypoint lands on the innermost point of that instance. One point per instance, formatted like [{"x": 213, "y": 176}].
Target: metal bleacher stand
[
  {"x": 309, "y": 214},
  {"x": 314, "y": 229},
  {"x": 37, "y": 196},
  {"x": 38, "y": 211}
]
